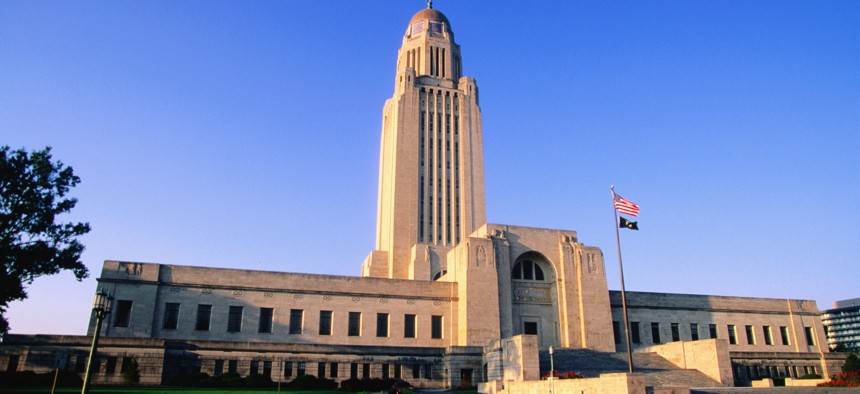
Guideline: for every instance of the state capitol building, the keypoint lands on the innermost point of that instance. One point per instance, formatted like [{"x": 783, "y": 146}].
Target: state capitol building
[{"x": 441, "y": 292}]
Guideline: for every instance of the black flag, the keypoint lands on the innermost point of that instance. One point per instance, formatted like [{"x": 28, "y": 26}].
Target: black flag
[{"x": 624, "y": 223}]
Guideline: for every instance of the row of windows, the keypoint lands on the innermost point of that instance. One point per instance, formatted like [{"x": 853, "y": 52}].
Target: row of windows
[
  {"x": 290, "y": 369},
  {"x": 773, "y": 371},
  {"x": 675, "y": 331},
  {"x": 170, "y": 321}
]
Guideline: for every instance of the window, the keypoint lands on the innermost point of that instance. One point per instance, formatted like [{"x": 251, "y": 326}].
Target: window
[
  {"x": 126, "y": 365},
  {"x": 288, "y": 369},
  {"x": 768, "y": 338},
  {"x": 530, "y": 328},
  {"x": 12, "y": 366},
  {"x": 694, "y": 331},
  {"x": 354, "y": 328},
  {"x": 616, "y": 331},
  {"x": 416, "y": 371},
  {"x": 396, "y": 368},
  {"x": 365, "y": 371},
  {"x": 428, "y": 372},
  {"x": 296, "y": 321},
  {"x": 234, "y": 319},
  {"x": 255, "y": 367},
  {"x": 267, "y": 368},
  {"x": 750, "y": 335},
  {"x": 110, "y": 366},
  {"x": 171, "y": 316},
  {"x": 266, "y": 320},
  {"x": 353, "y": 371},
  {"x": 712, "y": 329},
  {"x": 325, "y": 322},
  {"x": 382, "y": 325},
  {"x": 733, "y": 338},
  {"x": 527, "y": 270},
  {"x": 810, "y": 338},
  {"x": 385, "y": 371},
  {"x": 204, "y": 315},
  {"x": 634, "y": 332},
  {"x": 409, "y": 326},
  {"x": 332, "y": 370},
  {"x": 320, "y": 370},
  {"x": 436, "y": 327},
  {"x": 783, "y": 332},
  {"x": 219, "y": 367},
  {"x": 300, "y": 368},
  {"x": 655, "y": 332},
  {"x": 676, "y": 332},
  {"x": 123, "y": 313},
  {"x": 233, "y": 366}
]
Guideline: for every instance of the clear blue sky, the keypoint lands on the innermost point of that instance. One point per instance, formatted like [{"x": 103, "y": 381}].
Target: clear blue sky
[{"x": 246, "y": 134}]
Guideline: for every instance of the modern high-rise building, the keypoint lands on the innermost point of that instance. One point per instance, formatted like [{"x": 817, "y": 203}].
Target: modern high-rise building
[
  {"x": 842, "y": 325},
  {"x": 440, "y": 294}
]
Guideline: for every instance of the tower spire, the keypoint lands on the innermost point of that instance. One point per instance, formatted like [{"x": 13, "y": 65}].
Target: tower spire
[{"x": 429, "y": 4}]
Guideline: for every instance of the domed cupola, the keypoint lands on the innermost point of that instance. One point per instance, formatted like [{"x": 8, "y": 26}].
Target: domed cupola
[{"x": 429, "y": 47}]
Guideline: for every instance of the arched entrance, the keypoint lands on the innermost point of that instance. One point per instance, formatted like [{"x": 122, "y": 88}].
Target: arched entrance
[{"x": 535, "y": 298}]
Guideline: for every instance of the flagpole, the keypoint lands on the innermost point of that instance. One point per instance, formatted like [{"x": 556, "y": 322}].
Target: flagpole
[{"x": 623, "y": 293}]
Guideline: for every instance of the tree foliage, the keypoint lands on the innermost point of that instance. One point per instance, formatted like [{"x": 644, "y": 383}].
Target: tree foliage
[
  {"x": 852, "y": 363},
  {"x": 33, "y": 243}
]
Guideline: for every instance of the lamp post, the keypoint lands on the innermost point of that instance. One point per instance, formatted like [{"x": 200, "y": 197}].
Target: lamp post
[
  {"x": 101, "y": 307},
  {"x": 551, "y": 371}
]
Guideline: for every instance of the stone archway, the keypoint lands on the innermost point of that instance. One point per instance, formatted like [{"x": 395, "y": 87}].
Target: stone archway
[{"x": 535, "y": 298}]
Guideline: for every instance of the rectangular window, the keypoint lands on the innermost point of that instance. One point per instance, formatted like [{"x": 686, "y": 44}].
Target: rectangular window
[
  {"x": 436, "y": 327},
  {"x": 385, "y": 371},
  {"x": 783, "y": 332},
  {"x": 365, "y": 371},
  {"x": 768, "y": 337},
  {"x": 255, "y": 367},
  {"x": 204, "y": 315},
  {"x": 320, "y": 370},
  {"x": 382, "y": 325},
  {"x": 110, "y": 366},
  {"x": 409, "y": 326},
  {"x": 810, "y": 338},
  {"x": 171, "y": 316},
  {"x": 428, "y": 372},
  {"x": 12, "y": 365},
  {"x": 234, "y": 319},
  {"x": 616, "y": 331},
  {"x": 266, "y": 320},
  {"x": 655, "y": 332},
  {"x": 123, "y": 313},
  {"x": 396, "y": 371},
  {"x": 332, "y": 370},
  {"x": 416, "y": 371},
  {"x": 733, "y": 335},
  {"x": 530, "y": 328},
  {"x": 288, "y": 369},
  {"x": 233, "y": 366},
  {"x": 750, "y": 335},
  {"x": 267, "y": 368},
  {"x": 126, "y": 365},
  {"x": 219, "y": 367},
  {"x": 694, "y": 331},
  {"x": 634, "y": 332},
  {"x": 676, "y": 332},
  {"x": 712, "y": 328},
  {"x": 296, "y": 316},
  {"x": 354, "y": 328},
  {"x": 325, "y": 322},
  {"x": 353, "y": 371},
  {"x": 300, "y": 368}
]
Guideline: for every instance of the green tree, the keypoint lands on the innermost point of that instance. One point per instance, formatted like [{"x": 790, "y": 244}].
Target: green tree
[
  {"x": 852, "y": 363},
  {"x": 33, "y": 242}
]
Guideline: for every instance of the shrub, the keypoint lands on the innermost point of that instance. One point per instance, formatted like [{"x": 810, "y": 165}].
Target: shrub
[
  {"x": 844, "y": 379},
  {"x": 374, "y": 384},
  {"x": 564, "y": 375},
  {"x": 131, "y": 373},
  {"x": 30, "y": 379},
  {"x": 257, "y": 380},
  {"x": 310, "y": 382},
  {"x": 852, "y": 363},
  {"x": 198, "y": 379}
]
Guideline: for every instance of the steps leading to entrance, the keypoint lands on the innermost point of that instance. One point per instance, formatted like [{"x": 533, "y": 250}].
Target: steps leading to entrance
[{"x": 657, "y": 370}]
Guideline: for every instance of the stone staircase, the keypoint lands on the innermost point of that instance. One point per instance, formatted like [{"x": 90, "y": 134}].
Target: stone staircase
[{"x": 657, "y": 370}]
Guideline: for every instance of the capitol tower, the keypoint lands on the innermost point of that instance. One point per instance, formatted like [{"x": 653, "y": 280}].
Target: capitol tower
[{"x": 431, "y": 171}]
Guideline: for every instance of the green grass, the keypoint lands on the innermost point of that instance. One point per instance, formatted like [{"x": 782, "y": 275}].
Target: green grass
[{"x": 157, "y": 390}]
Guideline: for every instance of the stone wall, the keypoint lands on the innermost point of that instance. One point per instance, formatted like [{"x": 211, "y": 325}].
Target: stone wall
[{"x": 711, "y": 357}]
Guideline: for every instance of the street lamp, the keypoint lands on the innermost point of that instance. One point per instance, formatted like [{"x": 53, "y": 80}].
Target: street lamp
[{"x": 101, "y": 307}]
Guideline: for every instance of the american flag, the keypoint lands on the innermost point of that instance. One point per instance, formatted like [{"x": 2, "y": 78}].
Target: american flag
[{"x": 626, "y": 207}]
